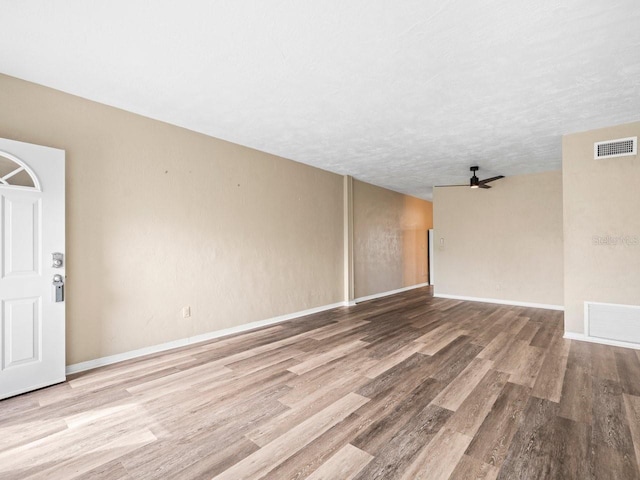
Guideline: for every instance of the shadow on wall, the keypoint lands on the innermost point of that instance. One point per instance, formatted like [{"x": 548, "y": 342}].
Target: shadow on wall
[
  {"x": 414, "y": 257},
  {"x": 390, "y": 239},
  {"x": 417, "y": 219}
]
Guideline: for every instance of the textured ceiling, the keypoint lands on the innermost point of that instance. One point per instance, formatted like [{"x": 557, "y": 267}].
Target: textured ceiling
[{"x": 404, "y": 94}]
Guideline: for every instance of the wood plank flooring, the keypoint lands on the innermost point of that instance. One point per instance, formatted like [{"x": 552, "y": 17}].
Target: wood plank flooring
[{"x": 404, "y": 387}]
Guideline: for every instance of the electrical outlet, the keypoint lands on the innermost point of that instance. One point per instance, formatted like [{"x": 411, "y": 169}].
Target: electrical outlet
[{"x": 186, "y": 312}]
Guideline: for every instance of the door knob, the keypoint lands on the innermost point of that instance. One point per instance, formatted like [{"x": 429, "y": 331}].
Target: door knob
[{"x": 58, "y": 288}]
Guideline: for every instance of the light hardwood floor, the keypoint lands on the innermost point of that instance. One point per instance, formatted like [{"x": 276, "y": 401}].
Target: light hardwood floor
[{"x": 406, "y": 387}]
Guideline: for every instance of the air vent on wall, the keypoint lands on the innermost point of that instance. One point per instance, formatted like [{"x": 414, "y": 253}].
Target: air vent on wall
[
  {"x": 612, "y": 322},
  {"x": 615, "y": 148}
]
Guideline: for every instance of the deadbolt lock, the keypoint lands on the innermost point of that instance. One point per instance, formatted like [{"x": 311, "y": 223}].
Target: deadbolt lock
[{"x": 58, "y": 260}]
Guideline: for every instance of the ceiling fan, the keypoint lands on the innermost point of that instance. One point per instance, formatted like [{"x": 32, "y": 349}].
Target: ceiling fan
[{"x": 475, "y": 182}]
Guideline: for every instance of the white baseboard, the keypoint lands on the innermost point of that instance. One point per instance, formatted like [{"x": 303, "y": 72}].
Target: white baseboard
[
  {"x": 120, "y": 357},
  {"x": 614, "y": 343},
  {"x": 386, "y": 294},
  {"x": 500, "y": 302}
]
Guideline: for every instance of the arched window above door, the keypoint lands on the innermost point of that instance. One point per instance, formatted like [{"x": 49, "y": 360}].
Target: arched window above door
[{"x": 14, "y": 173}]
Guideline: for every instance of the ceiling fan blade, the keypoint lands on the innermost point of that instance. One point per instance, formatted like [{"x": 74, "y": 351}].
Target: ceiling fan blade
[
  {"x": 440, "y": 186},
  {"x": 491, "y": 179},
  {"x": 482, "y": 185}
]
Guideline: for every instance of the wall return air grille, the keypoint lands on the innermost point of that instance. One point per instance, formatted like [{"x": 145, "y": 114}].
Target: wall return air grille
[
  {"x": 609, "y": 321},
  {"x": 615, "y": 148}
]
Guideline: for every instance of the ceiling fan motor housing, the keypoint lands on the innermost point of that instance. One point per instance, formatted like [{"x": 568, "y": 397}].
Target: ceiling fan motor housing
[{"x": 474, "y": 181}]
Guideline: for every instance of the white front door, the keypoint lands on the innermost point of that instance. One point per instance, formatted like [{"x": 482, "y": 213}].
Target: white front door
[{"x": 32, "y": 322}]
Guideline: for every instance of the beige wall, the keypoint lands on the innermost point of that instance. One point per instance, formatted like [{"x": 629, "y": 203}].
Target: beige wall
[
  {"x": 159, "y": 217},
  {"x": 504, "y": 243},
  {"x": 601, "y": 199},
  {"x": 390, "y": 239}
]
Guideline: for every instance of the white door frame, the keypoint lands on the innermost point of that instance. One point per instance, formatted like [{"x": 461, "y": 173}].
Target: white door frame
[{"x": 431, "y": 262}]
